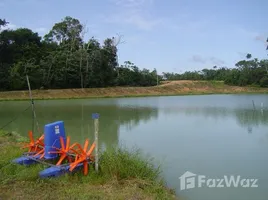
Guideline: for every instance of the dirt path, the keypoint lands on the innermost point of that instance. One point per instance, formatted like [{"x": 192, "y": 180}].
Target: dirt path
[{"x": 165, "y": 88}]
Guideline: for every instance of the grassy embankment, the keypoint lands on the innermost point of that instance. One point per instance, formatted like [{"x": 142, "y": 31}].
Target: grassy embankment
[
  {"x": 164, "y": 89},
  {"x": 124, "y": 175}
]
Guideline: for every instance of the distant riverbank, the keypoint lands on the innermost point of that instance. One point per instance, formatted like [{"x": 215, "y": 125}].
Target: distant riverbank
[{"x": 166, "y": 88}]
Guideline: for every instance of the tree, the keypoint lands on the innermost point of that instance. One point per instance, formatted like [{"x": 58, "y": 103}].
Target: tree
[
  {"x": 67, "y": 32},
  {"x": 248, "y": 56},
  {"x": 117, "y": 41},
  {"x": 17, "y": 48},
  {"x": 20, "y": 44},
  {"x": 267, "y": 45},
  {"x": 3, "y": 23},
  {"x": 62, "y": 59}
]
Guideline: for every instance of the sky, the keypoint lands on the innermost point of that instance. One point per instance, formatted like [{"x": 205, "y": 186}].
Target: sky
[{"x": 170, "y": 36}]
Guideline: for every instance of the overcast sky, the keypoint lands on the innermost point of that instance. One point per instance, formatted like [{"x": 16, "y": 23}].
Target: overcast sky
[{"x": 169, "y": 35}]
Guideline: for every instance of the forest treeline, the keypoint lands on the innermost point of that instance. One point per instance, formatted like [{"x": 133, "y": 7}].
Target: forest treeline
[
  {"x": 63, "y": 59},
  {"x": 247, "y": 72}
]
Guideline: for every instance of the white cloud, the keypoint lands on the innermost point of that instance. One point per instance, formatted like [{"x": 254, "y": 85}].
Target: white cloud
[
  {"x": 254, "y": 35},
  {"x": 261, "y": 38},
  {"x": 242, "y": 55},
  {"x": 9, "y": 26},
  {"x": 137, "y": 13},
  {"x": 198, "y": 59},
  {"x": 134, "y": 12},
  {"x": 136, "y": 20},
  {"x": 245, "y": 32},
  {"x": 184, "y": 24},
  {"x": 41, "y": 30},
  {"x": 212, "y": 60},
  {"x": 216, "y": 61},
  {"x": 132, "y": 3}
]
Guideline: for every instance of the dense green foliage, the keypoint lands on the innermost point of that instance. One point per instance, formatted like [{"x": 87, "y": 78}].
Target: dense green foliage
[
  {"x": 247, "y": 72},
  {"x": 62, "y": 59}
]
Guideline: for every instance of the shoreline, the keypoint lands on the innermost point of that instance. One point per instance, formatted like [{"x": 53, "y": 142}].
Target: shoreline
[
  {"x": 169, "y": 88},
  {"x": 132, "y": 96},
  {"x": 141, "y": 182}
]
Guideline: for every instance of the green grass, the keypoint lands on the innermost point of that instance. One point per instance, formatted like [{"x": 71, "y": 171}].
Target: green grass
[
  {"x": 164, "y": 89},
  {"x": 148, "y": 95},
  {"x": 123, "y": 164},
  {"x": 124, "y": 174}
]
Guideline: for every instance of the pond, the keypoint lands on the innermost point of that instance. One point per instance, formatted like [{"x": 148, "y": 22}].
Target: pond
[{"x": 217, "y": 136}]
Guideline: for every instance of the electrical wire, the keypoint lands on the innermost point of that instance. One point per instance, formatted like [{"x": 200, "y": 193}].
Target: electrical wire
[{"x": 14, "y": 118}]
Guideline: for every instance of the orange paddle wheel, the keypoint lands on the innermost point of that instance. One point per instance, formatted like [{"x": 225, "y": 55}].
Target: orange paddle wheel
[
  {"x": 35, "y": 146},
  {"x": 65, "y": 151},
  {"x": 83, "y": 156}
]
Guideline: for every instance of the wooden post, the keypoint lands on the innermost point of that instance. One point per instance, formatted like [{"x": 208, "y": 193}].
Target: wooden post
[
  {"x": 32, "y": 102},
  {"x": 95, "y": 116},
  {"x": 33, "y": 109}
]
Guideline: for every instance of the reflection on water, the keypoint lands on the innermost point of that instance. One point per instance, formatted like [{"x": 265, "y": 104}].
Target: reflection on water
[
  {"x": 247, "y": 118},
  {"x": 201, "y": 134},
  {"x": 129, "y": 113},
  {"x": 77, "y": 118}
]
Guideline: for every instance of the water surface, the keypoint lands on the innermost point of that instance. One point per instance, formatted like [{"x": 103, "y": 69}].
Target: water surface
[{"x": 211, "y": 135}]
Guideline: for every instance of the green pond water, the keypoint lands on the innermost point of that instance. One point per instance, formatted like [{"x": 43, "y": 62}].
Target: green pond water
[{"x": 209, "y": 135}]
